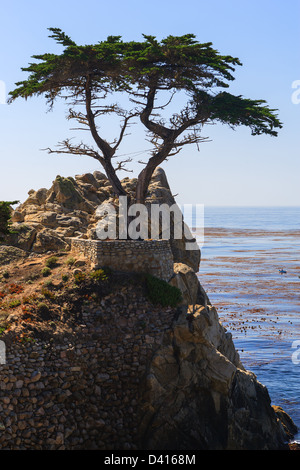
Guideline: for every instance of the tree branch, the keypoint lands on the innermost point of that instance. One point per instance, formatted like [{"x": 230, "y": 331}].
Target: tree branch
[
  {"x": 120, "y": 165},
  {"x": 102, "y": 144},
  {"x": 80, "y": 149},
  {"x": 152, "y": 126},
  {"x": 123, "y": 128}
]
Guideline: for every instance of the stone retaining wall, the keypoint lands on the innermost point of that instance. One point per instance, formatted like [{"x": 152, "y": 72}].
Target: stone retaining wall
[
  {"x": 81, "y": 391},
  {"x": 150, "y": 256}
]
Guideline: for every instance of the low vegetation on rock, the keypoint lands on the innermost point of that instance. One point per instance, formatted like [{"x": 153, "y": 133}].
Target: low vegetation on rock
[
  {"x": 5, "y": 218},
  {"x": 161, "y": 292},
  {"x": 43, "y": 308}
]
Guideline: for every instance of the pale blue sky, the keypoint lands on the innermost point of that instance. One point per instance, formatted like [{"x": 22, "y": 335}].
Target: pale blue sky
[{"x": 235, "y": 168}]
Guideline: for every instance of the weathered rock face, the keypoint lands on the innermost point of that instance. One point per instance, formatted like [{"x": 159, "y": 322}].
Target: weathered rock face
[
  {"x": 68, "y": 209},
  {"x": 198, "y": 395},
  {"x": 24, "y": 236},
  {"x": 9, "y": 254},
  {"x": 131, "y": 375},
  {"x": 192, "y": 392},
  {"x": 160, "y": 193},
  {"x": 187, "y": 281}
]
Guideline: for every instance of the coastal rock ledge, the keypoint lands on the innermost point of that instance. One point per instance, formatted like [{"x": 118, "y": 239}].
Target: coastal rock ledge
[
  {"x": 133, "y": 376},
  {"x": 120, "y": 372},
  {"x": 199, "y": 396}
]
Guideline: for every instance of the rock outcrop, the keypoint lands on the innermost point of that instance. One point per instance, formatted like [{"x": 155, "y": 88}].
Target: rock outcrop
[
  {"x": 9, "y": 254},
  {"x": 199, "y": 396},
  {"x": 116, "y": 372},
  {"x": 194, "y": 392},
  {"x": 186, "y": 280},
  {"x": 48, "y": 218}
]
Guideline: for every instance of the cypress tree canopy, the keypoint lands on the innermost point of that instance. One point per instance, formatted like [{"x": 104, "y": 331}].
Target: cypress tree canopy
[
  {"x": 179, "y": 62},
  {"x": 86, "y": 75}
]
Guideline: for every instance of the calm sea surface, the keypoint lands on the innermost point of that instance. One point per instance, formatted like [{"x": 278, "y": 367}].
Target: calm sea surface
[{"x": 243, "y": 252}]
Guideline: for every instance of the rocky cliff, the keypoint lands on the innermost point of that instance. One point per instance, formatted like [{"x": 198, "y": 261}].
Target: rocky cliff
[
  {"x": 199, "y": 396},
  {"x": 190, "y": 389},
  {"x": 47, "y": 218}
]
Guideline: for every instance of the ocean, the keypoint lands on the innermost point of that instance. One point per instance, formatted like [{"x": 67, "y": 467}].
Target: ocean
[{"x": 250, "y": 269}]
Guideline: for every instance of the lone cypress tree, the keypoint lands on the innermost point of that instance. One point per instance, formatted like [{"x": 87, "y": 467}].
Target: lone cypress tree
[{"x": 147, "y": 72}]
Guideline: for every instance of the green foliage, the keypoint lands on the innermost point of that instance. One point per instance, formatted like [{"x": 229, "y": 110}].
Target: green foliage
[
  {"x": 51, "y": 262},
  {"x": 160, "y": 292},
  {"x": 175, "y": 63},
  {"x": 5, "y": 216},
  {"x": 67, "y": 187},
  {"x": 99, "y": 275},
  {"x": 61, "y": 37},
  {"x": 31, "y": 299},
  {"x": 46, "y": 271},
  {"x": 148, "y": 71},
  {"x": 47, "y": 293},
  {"x": 14, "y": 303},
  {"x": 79, "y": 277},
  {"x": 236, "y": 111},
  {"x": 43, "y": 309},
  {"x": 64, "y": 277},
  {"x": 179, "y": 62},
  {"x": 70, "y": 261}
]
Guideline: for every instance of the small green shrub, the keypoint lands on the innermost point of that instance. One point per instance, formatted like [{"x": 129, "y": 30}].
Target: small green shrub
[
  {"x": 43, "y": 310},
  {"x": 46, "y": 271},
  {"x": 47, "y": 293},
  {"x": 29, "y": 299},
  {"x": 3, "y": 320},
  {"x": 5, "y": 218},
  {"x": 79, "y": 277},
  {"x": 5, "y": 274},
  {"x": 160, "y": 292},
  {"x": 51, "y": 262},
  {"x": 14, "y": 303},
  {"x": 42, "y": 307},
  {"x": 70, "y": 261},
  {"x": 64, "y": 277},
  {"x": 99, "y": 275}
]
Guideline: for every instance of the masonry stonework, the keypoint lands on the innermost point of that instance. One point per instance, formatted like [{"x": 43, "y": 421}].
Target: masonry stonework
[
  {"x": 148, "y": 256},
  {"x": 81, "y": 389}
]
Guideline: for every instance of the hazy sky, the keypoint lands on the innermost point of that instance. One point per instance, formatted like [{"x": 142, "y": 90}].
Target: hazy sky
[{"x": 235, "y": 168}]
